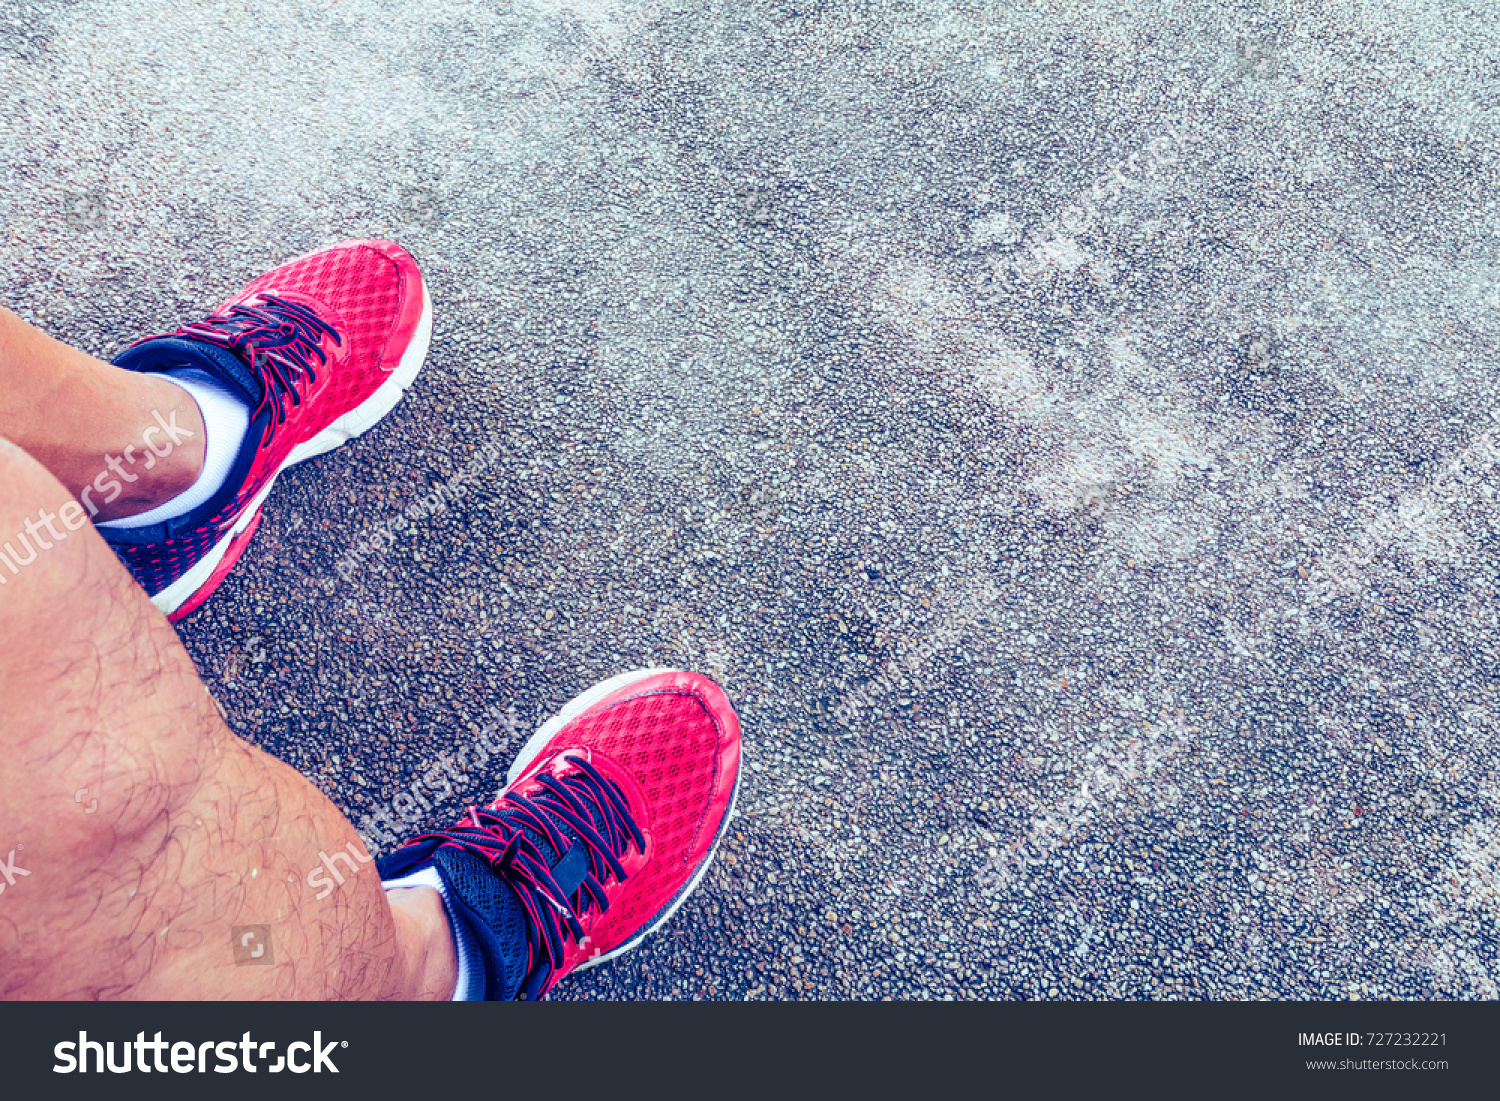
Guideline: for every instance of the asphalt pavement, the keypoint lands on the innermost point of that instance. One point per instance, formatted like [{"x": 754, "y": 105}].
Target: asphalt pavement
[{"x": 1067, "y": 430}]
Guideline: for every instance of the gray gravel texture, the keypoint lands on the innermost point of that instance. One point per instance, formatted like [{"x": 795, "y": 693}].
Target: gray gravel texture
[{"x": 1111, "y": 612}]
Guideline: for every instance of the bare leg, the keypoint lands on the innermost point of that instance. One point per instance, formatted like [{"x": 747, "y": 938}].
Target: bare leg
[
  {"x": 194, "y": 832},
  {"x": 72, "y": 413}
]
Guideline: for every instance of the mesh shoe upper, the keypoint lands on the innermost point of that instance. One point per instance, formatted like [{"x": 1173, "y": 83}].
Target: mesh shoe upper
[
  {"x": 663, "y": 759},
  {"x": 304, "y": 344}
]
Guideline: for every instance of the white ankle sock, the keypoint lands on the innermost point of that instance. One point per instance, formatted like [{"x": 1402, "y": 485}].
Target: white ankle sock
[
  {"x": 225, "y": 420},
  {"x": 463, "y": 942}
]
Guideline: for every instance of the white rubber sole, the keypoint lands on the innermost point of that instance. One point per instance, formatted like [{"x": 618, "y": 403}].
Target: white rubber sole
[
  {"x": 356, "y": 422},
  {"x": 570, "y": 711}
]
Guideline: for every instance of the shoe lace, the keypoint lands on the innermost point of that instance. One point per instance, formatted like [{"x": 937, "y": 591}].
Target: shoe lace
[
  {"x": 500, "y": 835},
  {"x": 279, "y": 340}
]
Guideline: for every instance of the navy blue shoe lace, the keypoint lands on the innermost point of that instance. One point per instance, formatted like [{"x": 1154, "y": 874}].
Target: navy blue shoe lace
[
  {"x": 503, "y": 838},
  {"x": 279, "y": 340}
]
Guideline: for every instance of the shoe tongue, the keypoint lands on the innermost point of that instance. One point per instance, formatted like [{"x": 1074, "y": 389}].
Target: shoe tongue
[
  {"x": 166, "y": 353},
  {"x": 572, "y": 842},
  {"x": 501, "y": 915},
  {"x": 494, "y": 915}
]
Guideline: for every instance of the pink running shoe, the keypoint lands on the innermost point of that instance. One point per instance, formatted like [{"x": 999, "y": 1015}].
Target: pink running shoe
[
  {"x": 320, "y": 348},
  {"x": 611, "y": 816}
]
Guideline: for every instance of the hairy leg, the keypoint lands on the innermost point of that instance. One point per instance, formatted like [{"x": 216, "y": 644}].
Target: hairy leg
[
  {"x": 137, "y": 832},
  {"x": 74, "y": 414}
]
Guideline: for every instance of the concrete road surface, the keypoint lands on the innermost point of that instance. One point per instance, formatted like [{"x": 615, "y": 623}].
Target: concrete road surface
[{"x": 1069, "y": 430}]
